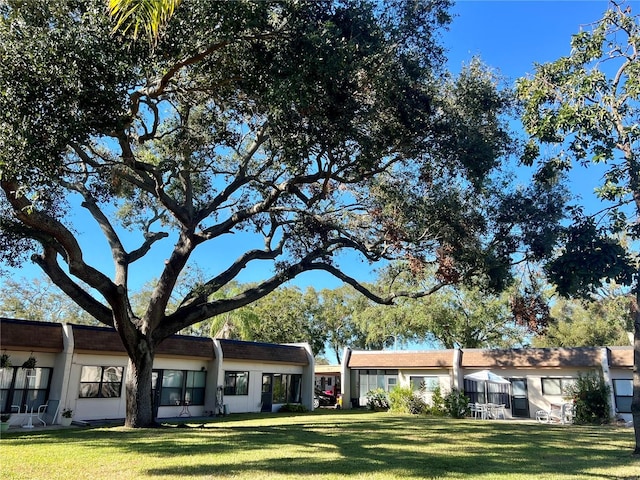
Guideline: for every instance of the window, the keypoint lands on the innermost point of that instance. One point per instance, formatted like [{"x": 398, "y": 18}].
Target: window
[
  {"x": 194, "y": 388},
  {"x": 236, "y": 383},
  {"x": 487, "y": 392},
  {"x": 556, "y": 386},
  {"x": 429, "y": 383},
  {"x": 182, "y": 387},
  {"x": 25, "y": 388},
  {"x": 623, "y": 391},
  {"x": 373, "y": 379},
  {"x": 100, "y": 382},
  {"x": 286, "y": 388}
]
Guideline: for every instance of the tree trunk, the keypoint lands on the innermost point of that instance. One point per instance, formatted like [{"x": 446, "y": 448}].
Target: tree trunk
[
  {"x": 635, "y": 402},
  {"x": 138, "y": 387}
]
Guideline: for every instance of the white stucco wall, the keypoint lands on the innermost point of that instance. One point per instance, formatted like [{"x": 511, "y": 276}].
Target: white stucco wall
[{"x": 252, "y": 402}]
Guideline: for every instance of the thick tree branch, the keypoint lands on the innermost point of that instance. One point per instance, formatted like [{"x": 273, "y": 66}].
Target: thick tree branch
[{"x": 80, "y": 296}]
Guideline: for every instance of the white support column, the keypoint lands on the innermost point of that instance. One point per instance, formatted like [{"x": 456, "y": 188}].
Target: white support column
[
  {"x": 308, "y": 376},
  {"x": 606, "y": 375},
  {"x": 345, "y": 379},
  {"x": 60, "y": 383},
  {"x": 217, "y": 377},
  {"x": 457, "y": 379}
]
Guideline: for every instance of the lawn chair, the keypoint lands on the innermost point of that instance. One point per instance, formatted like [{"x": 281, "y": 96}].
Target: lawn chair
[
  {"x": 542, "y": 416},
  {"x": 47, "y": 413}
]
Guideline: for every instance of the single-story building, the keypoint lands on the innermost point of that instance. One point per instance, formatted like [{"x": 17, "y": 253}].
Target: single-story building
[
  {"x": 82, "y": 368},
  {"x": 537, "y": 376},
  {"x": 328, "y": 379}
]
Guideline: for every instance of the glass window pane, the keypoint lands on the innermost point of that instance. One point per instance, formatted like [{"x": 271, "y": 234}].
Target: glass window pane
[
  {"x": 17, "y": 400},
  {"x": 295, "y": 388},
  {"x": 431, "y": 383},
  {"x": 172, "y": 378},
  {"x": 35, "y": 398},
  {"x": 91, "y": 374},
  {"x": 170, "y": 396},
  {"x": 6, "y": 375},
  {"x": 4, "y": 405},
  {"x": 110, "y": 390},
  {"x": 21, "y": 378},
  {"x": 196, "y": 379},
  {"x": 519, "y": 387},
  {"x": 266, "y": 383},
  {"x": 623, "y": 404},
  {"x": 194, "y": 396},
  {"x": 89, "y": 390},
  {"x": 242, "y": 385},
  {"x": 623, "y": 387},
  {"x": 278, "y": 389},
  {"x": 112, "y": 374},
  {"x": 551, "y": 386}
]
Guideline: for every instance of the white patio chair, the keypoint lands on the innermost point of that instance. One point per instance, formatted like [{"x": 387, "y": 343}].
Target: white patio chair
[
  {"x": 542, "y": 416},
  {"x": 482, "y": 411},
  {"x": 42, "y": 410}
]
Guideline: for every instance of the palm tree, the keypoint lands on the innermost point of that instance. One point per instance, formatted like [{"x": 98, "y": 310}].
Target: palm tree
[{"x": 149, "y": 16}]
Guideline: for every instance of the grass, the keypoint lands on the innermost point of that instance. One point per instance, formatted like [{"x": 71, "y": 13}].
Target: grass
[{"x": 324, "y": 445}]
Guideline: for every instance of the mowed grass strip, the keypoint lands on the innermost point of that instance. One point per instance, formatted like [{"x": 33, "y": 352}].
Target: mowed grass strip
[{"x": 323, "y": 445}]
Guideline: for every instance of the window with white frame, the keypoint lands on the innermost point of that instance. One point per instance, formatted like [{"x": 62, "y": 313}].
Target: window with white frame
[
  {"x": 100, "y": 382},
  {"x": 623, "y": 392}
]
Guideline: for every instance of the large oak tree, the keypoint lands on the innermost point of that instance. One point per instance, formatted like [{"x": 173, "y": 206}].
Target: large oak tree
[{"x": 304, "y": 129}]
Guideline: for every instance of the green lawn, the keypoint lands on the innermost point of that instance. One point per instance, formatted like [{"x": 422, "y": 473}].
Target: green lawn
[{"x": 326, "y": 444}]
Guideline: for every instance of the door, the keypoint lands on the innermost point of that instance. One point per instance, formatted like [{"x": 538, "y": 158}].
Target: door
[
  {"x": 267, "y": 392},
  {"x": 155, "y": 391},
  {"x": 519, "y": 398}
]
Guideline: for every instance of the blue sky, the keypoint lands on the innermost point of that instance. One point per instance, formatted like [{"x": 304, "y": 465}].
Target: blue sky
[{"x": 510, "y": 36}]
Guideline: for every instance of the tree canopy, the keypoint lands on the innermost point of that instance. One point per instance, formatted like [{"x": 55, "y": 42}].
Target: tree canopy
[
  {"x": 307, "y": 129},
  {"x": 588, "y": 323},
  {"x": 582, "y": 110}
]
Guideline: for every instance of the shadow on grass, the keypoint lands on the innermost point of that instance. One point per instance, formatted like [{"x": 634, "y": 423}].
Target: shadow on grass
[{"x": 362, "y": 443}]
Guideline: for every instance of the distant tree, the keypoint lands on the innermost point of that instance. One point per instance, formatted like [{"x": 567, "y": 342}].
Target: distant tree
[
  {"x": 40, "y": 300},
  {"x": 338, "y": 312},
  {"x": 301, "y": 129},
  {"x": 583, "y": 109},
  {"x": 588, "y": 323},
  {"x": 287, "y": 315},
  {"x": 471, "y": 318}
]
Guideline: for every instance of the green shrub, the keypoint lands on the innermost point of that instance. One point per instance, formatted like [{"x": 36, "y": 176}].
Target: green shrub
[
  {"x": 405, "y": 400},
  {"x": 590, "y": 395},
  {"x": 437, "y": 403},
  {"x": 377, "y": 399},
  {"x": 456, "y": 404},
  {"x": 293, "y": 408}
]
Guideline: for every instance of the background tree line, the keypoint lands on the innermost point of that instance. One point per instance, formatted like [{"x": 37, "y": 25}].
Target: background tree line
[{"x": 332, "y": 319}]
